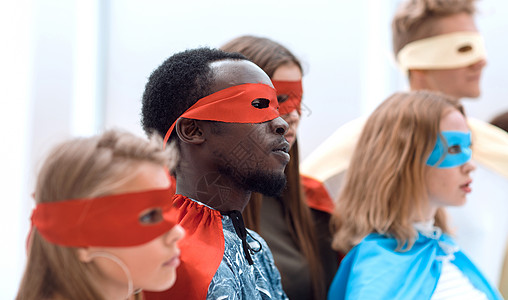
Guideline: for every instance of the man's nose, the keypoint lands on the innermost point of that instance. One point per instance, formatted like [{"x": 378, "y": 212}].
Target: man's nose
[
  {"x": 279, "y": 126},
  {"x": 479, "y": 64}
]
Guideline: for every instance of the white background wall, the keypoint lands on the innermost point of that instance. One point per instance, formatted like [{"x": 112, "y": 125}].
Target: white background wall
[{"x": 75, "y": 67}]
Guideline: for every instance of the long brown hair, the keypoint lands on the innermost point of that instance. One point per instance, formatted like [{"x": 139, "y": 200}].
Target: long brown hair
[
  {"x": 81, "y": 168},
  {"x": 270, "y": 55},
  {"x": 385, "y": 183}
]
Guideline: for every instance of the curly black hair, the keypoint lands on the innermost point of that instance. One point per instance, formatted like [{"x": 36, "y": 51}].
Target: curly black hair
[{"x": 176, "y": 85}]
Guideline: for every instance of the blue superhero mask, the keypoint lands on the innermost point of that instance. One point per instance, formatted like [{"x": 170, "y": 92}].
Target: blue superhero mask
[{"x": 455, "y": 152}]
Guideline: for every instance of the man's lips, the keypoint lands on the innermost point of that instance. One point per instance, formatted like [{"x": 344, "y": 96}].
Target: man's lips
[
  {"x": 284, "y": 147},
  {"x": 475, "y": 77},
  {"x": 282, "y": 150}
]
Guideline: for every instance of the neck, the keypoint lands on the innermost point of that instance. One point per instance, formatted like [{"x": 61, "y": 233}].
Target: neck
[
  {"x": 420, "y": 84},
  {"x": 212, "y": 188},
  {"x": 428, "y": 229},
  {"x": 427, "y": 213}
]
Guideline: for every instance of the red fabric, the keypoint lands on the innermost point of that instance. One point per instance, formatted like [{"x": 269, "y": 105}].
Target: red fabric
[
  {"x": 172, "y": 186},
  {"x": 316, "y": 194},
  {"x": 172, "y": 191},
  {"x": 233, "y": 105},
  {"x": 202, "y": 250},
  {"x": 294, "y": 91},
  {"x": 109, "y": 221}
]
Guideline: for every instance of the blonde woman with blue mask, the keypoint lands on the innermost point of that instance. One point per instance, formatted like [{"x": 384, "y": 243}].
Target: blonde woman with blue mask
[{"x": 412, "y": 160}]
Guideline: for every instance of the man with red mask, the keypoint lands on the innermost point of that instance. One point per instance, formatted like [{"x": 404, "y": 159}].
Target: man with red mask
[{"x": 221, "y": 111}]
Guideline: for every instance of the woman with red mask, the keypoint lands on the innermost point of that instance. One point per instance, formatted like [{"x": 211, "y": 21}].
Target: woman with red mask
[{"x": 102, "y": 227}]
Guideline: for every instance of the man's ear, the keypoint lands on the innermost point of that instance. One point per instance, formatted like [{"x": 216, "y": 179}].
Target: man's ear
[
  {"x": 189, "y": 131},
  {"x": 84, "y": 255}
]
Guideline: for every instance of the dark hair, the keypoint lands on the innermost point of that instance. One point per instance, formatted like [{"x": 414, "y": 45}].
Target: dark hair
[
  {"x": 501, "y": 121},
  {"x": 177, "y": 84},
  {"x": 270, "y": 55}
]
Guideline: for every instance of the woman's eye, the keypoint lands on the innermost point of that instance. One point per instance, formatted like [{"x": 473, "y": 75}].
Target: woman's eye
[
  {"x": 282, "y": 98},
  {"x": 454, "y": 149},
  {"x": 152, "y": 216},
  {"x": 260, "y": 103}
]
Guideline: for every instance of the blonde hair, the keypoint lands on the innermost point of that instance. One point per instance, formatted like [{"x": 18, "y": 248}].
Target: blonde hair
[
  {"x": 416, "y": 19},
  {"x": 385, "y": 183},
  {"x": 81, "y": 168}
]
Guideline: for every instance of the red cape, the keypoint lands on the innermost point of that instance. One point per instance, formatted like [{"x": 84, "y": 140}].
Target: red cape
[
  {"x": 317, "y": 195},
  {"x": 202, "y": 250}
]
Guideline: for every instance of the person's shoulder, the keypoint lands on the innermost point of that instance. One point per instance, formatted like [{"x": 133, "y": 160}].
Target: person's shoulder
[
  {"x": 373, "y": 248},
  {"x": 376, "y": 240},
  {"x": 316, "y": 195},
  {"x": 490, "y": 146},
  {"x": 225, "y": 282},
  {"x": 486, "y": 130},
  {"x": 373, "y": 269},
  {"x": 333, "y": 155},
  {"x": 383, "y": 251}
]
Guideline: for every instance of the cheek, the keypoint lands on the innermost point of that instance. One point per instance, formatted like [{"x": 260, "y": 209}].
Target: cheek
[
  {"x": 286, "y": 118},
  {"x": 446, "y": 78},
  {"x": 259, "y": 137},
  {"x": 247, "y": 149},
  {"x": 440, "y": 181},
  {"x": 113, "y": 262},
  {"x": 295, "y": 124},
  {"x": 142, "y": 259},
  {"x": 434, "y": 180},
  {"x": 457, "y": 78}
]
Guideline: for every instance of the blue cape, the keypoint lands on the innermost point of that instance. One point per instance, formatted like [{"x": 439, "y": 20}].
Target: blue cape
[{"x": 373, "y": 270}]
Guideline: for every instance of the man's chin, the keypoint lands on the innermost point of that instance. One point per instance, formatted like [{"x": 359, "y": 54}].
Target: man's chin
[
  {"x": 472, "y": 94},
  {"x": 268, "y": 184},
  {"x": 475, "y": 96}
]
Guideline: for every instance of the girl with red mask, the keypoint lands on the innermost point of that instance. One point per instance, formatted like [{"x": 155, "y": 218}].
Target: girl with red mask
[{"x": 102, "y": 227}]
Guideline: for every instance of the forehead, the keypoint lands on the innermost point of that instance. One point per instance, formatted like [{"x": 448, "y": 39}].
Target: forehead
[
  {"x": 228, "y": 73},
  {"x": 287, "y": 72},
  {"x": 145, "y": 176},
  {"x": 454, "y": 23},
  {"x": 453, "y": 121}
]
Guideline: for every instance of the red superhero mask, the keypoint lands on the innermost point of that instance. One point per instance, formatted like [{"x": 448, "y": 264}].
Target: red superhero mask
[
  {"x": 121, "y": 220},
  {"x": 245, "y": 103},
  {"x": 294, "y": 91}
]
